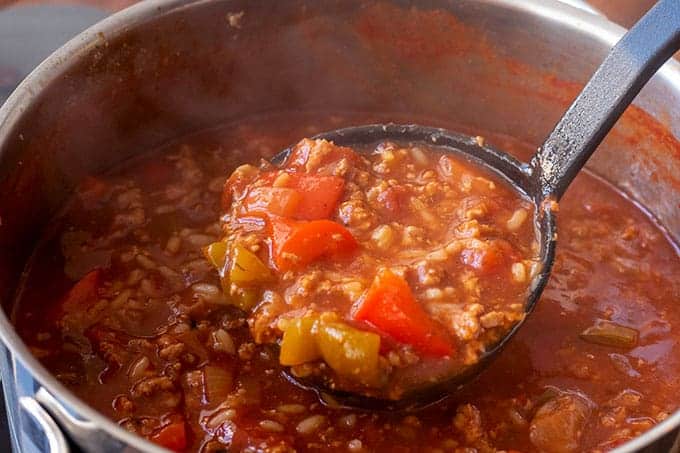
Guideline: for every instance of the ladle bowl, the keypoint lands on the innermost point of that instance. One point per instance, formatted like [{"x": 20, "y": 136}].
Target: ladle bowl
[{"x": 518, "y": 175}]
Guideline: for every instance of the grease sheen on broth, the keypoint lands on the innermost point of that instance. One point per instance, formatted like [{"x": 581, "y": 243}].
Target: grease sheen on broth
[{"x": 143, "y": 349}]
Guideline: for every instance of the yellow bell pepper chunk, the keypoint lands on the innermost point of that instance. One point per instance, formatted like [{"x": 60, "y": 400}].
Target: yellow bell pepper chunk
[
  {"x": 350, "y": 352},
  {"x": 216, "y": 253},
  {"x": 246, "y": 267},
  {"x": 298, "y": 344}
]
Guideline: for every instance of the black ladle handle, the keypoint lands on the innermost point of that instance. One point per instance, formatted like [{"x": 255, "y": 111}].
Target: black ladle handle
[{"x": 620, "y": 77}]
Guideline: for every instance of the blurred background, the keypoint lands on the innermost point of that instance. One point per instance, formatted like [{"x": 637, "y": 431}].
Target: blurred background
[
  {"x": 31, "y": 29},
  {"x": 624, "y": 12}
]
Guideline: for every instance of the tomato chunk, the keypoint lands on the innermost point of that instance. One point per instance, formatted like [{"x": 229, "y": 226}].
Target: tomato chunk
[
  {"x": 489, "y": 257},
  {"x": 393, "y": 201},
  {"x": 297, "y": 244},
  {"x": 279, "y": 201},
  {"x": 172, "y": 436},
  {"x": 391, "y": 307},
  {"x": 319, "y": 195}
]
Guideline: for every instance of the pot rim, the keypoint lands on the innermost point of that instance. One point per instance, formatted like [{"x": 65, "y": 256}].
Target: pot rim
[{"x": 597, "y": 26}]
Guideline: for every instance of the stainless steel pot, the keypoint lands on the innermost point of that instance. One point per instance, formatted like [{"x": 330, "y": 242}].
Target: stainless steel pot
[{"x": 164, "y": 68}]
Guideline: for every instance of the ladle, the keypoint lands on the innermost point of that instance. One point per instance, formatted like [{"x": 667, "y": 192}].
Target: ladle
[{"x": 613, "y": 86}]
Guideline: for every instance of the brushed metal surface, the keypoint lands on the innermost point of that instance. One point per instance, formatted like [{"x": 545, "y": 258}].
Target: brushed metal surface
[{"x": 539, "y": 34}]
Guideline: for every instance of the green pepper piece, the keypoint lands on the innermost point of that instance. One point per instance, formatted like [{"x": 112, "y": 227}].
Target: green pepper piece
[
  {"x": 246, "y": 267},
  {"x": 245, "y": 298},
  {"x": 610, "y": 334},
  {"x": 298, "y": 344},
  {"x": 350, "y": 352}
]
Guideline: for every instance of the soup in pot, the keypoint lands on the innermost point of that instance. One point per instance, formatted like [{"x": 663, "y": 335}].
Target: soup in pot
[{"x": 175, "y": 293}]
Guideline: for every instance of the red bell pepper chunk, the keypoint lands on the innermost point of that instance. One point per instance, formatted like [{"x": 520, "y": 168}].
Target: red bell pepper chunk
[
  {"x": 390, "y": 306},
  {"x": 319, "y": 195},
  {"x": 82, "y": 292},
  {"x": 172, "y": 436},
  {"x": 296, "y": 244}
]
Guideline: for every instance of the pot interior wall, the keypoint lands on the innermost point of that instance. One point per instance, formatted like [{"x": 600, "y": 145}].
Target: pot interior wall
[{"x": 465, "y": 65}]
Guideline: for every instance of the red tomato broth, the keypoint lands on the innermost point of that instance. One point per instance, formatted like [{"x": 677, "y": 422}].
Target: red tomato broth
[{"x": 613, "y": 263}]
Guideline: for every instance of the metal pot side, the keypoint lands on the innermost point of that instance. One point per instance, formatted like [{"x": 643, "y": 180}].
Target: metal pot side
[{"x": 165, "y": 68}]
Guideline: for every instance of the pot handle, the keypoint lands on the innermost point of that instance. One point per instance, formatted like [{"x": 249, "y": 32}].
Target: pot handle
[
  {"x": 56, "y": 442},
  {"x": 84, "y": 433}
]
